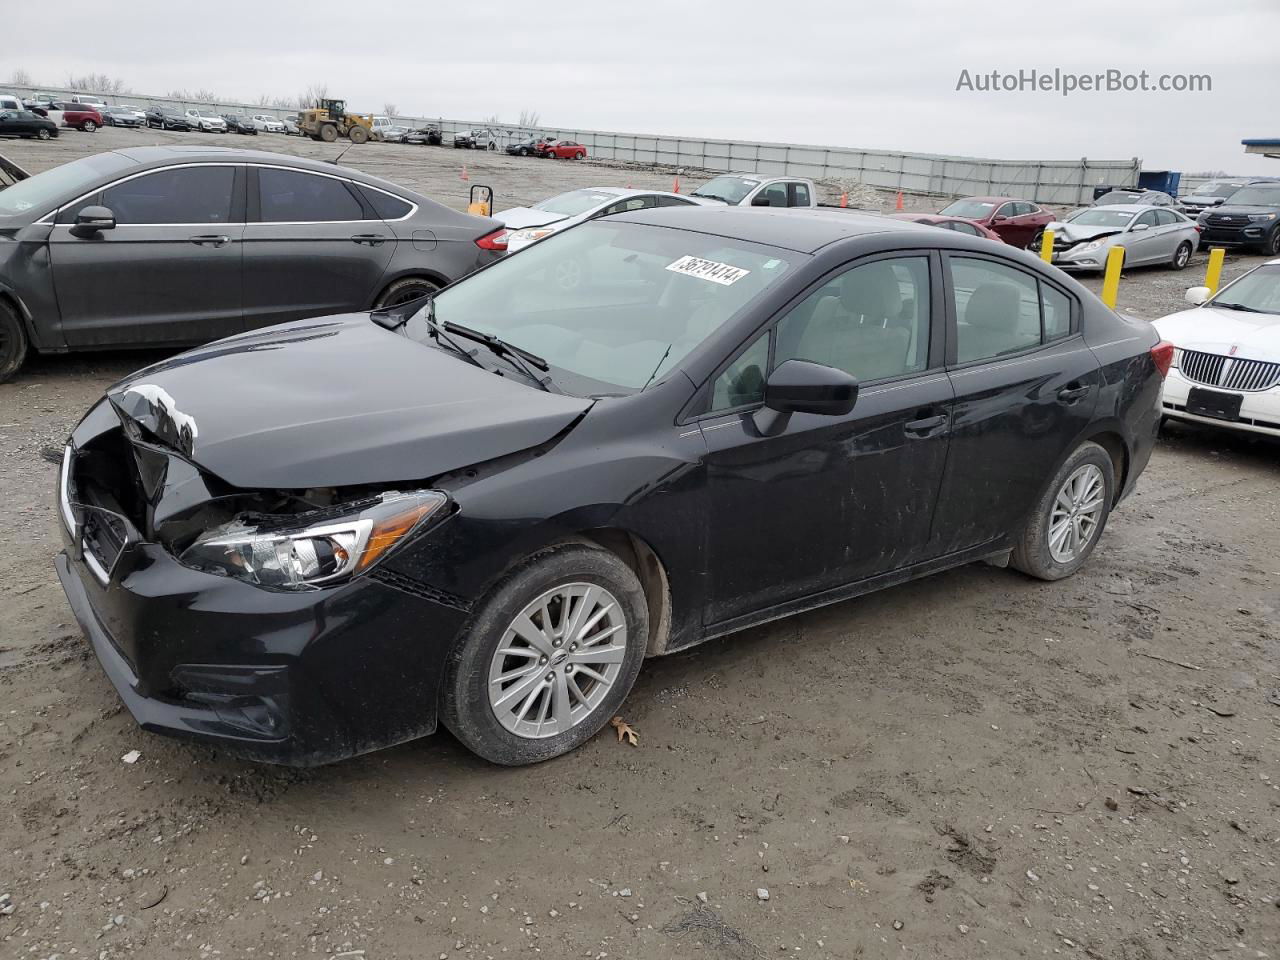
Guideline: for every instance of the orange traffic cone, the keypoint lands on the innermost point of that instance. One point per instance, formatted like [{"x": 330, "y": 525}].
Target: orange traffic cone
[
  {"x": 844, "y": 199},
  {"x": 675, "y": 187},
  {"x": 898, "y": 206},
  {"x": 465, "y": 177}
]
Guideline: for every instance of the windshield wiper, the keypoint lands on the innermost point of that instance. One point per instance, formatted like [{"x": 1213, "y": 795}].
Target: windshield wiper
[
  {"x": 520, "y": 358},
  {"x": 437, "y": 330},
  {"x": 1236, "y": 306},
  {"x": 709, "y": 196}
]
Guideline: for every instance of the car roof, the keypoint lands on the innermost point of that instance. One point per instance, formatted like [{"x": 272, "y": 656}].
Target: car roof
[{"x": 799, "y": 229}]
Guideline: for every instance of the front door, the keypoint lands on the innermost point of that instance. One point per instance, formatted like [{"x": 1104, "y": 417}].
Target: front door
[
  {"x": 309, "y": 250},
  {"x": 797, "y": 505},
  {"x": 1025, "y": 388},
  {"x": 168, "y": 273}
]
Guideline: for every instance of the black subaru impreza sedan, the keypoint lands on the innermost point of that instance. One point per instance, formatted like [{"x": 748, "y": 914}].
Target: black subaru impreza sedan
[{"x": 487, "y": 508}]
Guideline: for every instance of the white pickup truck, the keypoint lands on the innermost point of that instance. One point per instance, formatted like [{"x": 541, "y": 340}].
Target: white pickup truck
[{"x": 753, "y": 190}]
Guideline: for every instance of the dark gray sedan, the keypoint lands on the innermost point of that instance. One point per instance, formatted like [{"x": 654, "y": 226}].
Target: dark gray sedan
[{"x": 171, "y": 246}]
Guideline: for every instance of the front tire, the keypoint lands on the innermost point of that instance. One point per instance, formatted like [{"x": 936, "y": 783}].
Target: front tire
[
  {"x": 13, "y": 342},
  {"x": 549, "y": 656},
  {"x": 1068, "y": 519},
  {"x": 42, "y": 134},
  {"x": 1271, "y": 246}
]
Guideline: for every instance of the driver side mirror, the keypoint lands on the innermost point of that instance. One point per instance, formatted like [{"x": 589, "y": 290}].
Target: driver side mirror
[
  {"x": 999, "y": 218},
  {"x": 92, "y": 220},
  {"x": 1139, "y": 227},
  {"x": 1197, "y": 295},
  {"x": 798, "y": 386},
  {"x": 760, "y": 200}
]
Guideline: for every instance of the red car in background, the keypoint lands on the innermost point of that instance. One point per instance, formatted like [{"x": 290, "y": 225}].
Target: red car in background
[
  {"x": 958, "y": 224},
  {"x": 563, "y": 149},
  {"x": 1018, "y": 222}
]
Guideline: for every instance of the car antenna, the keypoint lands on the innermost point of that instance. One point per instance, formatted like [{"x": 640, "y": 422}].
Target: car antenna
[{"x": 338, "y": 159}]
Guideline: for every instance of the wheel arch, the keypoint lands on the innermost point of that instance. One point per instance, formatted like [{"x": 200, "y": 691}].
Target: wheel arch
[
  {"x": 649, "y": 569},
  {"x": 1111, "y": 441},
  {"x": 409, "y": 273}
]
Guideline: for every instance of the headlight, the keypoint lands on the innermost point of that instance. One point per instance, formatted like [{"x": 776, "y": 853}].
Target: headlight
[
  {"x": 282, "y": 552},
  {"x": 1261, "y": 217},
  {"x": 1176, "y": 363},
  {"x": 1091, "y": 245},
  {"x": 528, "y": 236}
]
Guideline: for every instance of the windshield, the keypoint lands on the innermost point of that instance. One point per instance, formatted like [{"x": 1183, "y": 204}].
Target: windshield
[
  {"x": 574, "y": 202},
  {"x": 1256, "y": 197},
  {"x": 1101, "y": 218},
  {"x": 969, "y": 209},
  {"x": 731, "y": 190},
  {"x": 1216, "y": 188},
  {"x": 611, "y": 306},
  {"x": 46, "y": 190},
  {"x": 1258, "y": 290}
]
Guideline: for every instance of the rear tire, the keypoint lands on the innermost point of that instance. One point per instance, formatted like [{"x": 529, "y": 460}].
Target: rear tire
[
  {"x": 88, "y": 126},
  {"x": 402, "y": 291},
  {"x": 468, "y": 710},
  {"x": 42, "y": 134},
  {"x": 13, "y": 342},
  {"x": 1040, "y": 550},
  {"x": 1181, "y": 256}
]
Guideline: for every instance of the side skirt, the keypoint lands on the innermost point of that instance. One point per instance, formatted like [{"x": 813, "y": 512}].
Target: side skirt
[{"x": 991, "y": 550}]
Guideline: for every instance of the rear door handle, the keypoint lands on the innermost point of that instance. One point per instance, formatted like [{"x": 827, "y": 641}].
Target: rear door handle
[
  {"x": 1073, "y": 393},
  {"x": 373, "y": 239},
  {"x": 213, "y": 239},
  {"x": 926, "y": 426}
]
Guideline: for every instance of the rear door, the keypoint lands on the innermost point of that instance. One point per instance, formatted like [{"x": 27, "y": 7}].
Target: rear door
[
  {"x": 169, "y": 273},
  {"x": 815, "y": 502},
  {"x": 313, "y": 246},
  {"x": 1025, "y": 388}
]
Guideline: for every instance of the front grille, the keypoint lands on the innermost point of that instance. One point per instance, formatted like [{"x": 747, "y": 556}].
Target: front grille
[{"x": 1215, "y": 370}]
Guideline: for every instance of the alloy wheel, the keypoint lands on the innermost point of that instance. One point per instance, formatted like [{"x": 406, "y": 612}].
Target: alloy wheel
[
  {"x": 1076, "y": 513},
  {"x": 558, "y": 660},
  {"x": 1182, "y": 256}
]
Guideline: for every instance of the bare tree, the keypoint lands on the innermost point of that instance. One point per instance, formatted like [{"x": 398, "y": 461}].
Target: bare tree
[
  {"x": 97, "y": 83},
  {"x": 312, "y": 96},
  {"x": 21, "y": 78},
  {"x": 389, "y": 109},
  {"x": 529, "y": 118},
  {"x": 194, "y": 96}
]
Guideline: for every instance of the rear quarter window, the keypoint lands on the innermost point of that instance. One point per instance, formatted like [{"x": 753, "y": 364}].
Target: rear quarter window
[{"x": 385, "y": 205}]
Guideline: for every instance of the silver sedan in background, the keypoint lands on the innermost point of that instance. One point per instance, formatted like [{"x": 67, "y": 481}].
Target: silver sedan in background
[
  {"x": 527, "y": 224},
  {"x": 1149, "y": 235}
]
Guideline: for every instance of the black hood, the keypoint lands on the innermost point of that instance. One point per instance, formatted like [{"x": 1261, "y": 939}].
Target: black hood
[
  {"x": 1240, "y": 210},
  {"x": 335, "y": 402}
]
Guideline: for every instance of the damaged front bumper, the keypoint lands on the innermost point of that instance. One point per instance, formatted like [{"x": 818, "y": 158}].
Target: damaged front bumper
[{"x": 292, "y": 677}]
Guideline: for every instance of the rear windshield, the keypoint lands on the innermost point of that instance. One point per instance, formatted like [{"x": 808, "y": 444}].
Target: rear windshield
[
  {"x": 45, "y": 191},
  {"x": 968, "y": 209}
]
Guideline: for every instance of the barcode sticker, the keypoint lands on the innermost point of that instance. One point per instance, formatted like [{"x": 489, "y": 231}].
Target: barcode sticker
[{"x": 721, "y": 273}]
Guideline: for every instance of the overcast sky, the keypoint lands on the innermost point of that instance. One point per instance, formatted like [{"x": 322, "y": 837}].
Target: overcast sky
[{"x": 877, "y": 75}]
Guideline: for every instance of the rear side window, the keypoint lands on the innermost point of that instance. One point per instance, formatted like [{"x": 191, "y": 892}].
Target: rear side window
[
  {"x": 385, "y": 205},
  {"x": 1001, "y": 310},
  {"x": 289, "y": 196},
  {"x": 674, "y": 202},
  {"x": 800, "y": 195},
  {"x": 183, "y": 195}
]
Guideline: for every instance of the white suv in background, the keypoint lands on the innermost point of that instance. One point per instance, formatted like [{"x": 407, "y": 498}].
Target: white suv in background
[
  {"x": 206, "y": 122},
  {"x": 268, "y": 123}
]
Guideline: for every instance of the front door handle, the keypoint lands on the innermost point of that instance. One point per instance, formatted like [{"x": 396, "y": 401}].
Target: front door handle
[
  {"x": 373, "y": 239},
  {"x": 213, "y": 239},
  {"x": 926, "y": 426},
  {"x": 1073, "y": 393}
]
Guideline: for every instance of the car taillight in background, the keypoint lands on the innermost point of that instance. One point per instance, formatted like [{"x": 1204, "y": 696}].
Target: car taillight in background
[
  {"x": 1162, "y": 354},
  {"x": 493, "y": 241}
]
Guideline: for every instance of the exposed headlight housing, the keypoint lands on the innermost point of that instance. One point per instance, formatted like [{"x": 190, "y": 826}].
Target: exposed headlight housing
[
  {"x": 528, "y": 236},
  {"x": 284, "y": 553}
]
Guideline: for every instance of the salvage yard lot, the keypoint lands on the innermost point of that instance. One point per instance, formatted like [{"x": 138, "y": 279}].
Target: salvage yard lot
[{"x": 974, "y": 765}]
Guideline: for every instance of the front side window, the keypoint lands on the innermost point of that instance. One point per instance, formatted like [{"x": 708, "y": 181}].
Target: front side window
[
  {"x": 742, "y": 382},
  {"x": 629, "y": 204},
  {"x": 871, "y": 321},
  {"x": 182, "y": 195},
  {"x": 997, "y": 309},
  {"x": 612, "y": 305},
  {"x": 776, "y": 194},
  {"x": 289, "y": 196},
  {"x": 1148, "y": 219}
]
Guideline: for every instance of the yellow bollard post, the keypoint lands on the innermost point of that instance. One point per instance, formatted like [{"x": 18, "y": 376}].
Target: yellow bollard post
[
  {"x": 1046, "y": 247},
  {"x": 1111, "y": 284},
  {"x": 1213, "y": 276}
]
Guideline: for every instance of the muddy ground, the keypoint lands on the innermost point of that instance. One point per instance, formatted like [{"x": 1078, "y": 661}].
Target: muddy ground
[{"x": 971, "y": 766}]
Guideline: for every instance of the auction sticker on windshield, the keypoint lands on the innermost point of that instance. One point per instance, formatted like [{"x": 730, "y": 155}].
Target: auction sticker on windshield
[{"x": 721, "y": 273}]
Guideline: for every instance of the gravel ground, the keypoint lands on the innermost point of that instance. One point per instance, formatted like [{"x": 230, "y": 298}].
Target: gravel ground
[{"x": 971, "y": 766}]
